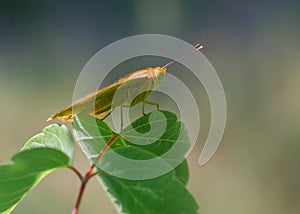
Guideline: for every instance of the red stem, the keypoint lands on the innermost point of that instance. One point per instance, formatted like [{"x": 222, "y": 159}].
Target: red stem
[
  {"x": 76, "y": 171},
  {"x": 89, "y": 173},
  {"x": 106, "y": 147},
  {"x": 84, "y": 181}
]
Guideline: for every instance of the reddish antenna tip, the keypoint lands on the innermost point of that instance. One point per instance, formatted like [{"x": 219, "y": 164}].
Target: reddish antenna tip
[{"x": 199, "y": 47}]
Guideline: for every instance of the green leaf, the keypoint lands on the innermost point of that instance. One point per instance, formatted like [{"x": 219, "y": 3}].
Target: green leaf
[
  {"x": 91, "y": 134},
  {"x": 135, "y": 184},
  {"x": 53, "y": 136},
  {"x": 165, "y": 194},
  {"x": 41, "y": 155}
]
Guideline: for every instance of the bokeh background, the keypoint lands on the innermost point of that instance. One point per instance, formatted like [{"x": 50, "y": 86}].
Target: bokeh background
[{"x": 254, "y": 47}]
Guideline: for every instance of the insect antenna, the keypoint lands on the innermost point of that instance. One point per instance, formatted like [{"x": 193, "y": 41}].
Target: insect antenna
[{"x": 197, "y": 48}]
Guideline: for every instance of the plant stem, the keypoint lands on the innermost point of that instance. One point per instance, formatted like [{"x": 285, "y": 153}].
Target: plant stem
[
  {"x": 76, "y": 171},
  {"x": 89, "y": 174},
  {"x": 84, "y": 181},
  {"x": 101, "y": 153}
]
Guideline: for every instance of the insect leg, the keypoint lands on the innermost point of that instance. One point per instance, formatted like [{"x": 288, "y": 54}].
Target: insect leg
[
  {"x": 122, "y": 120},
  {"x": 150, "y": 103},
  {"x": 143, "y": 108},
  {"x": 108, "y": 113}
]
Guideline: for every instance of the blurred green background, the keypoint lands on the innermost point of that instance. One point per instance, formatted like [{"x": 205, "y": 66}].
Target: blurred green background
[{"x": 254, "y": 47}]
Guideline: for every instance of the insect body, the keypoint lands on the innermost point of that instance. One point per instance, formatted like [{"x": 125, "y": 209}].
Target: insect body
[
  {"x": 129, "y": 91},
  {"x": 100, "y": 103}
]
